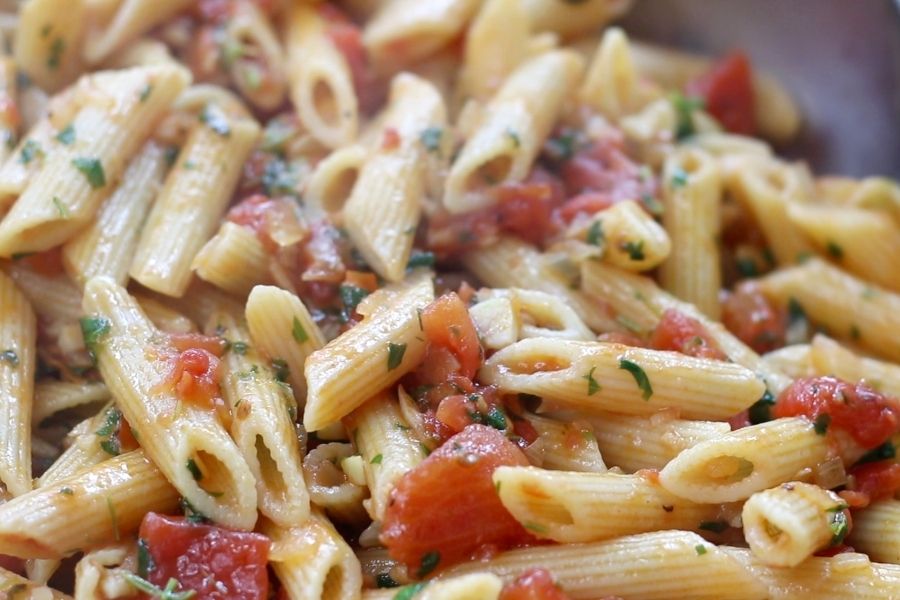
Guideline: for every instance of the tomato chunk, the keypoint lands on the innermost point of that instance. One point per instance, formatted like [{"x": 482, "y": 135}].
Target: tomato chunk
[
  {"x": 728, "y": 92},
  {"x": 533, "y": 584},
  {"x": 877, "y": 480},
  {"x": 215, "y": 562},
  {"x": 448, "y": 505},
  {"x": 681, "y": 333},
  {"x": 447, "y": 324},
  {"x": 751, "y": 317},
  {"x": 868, "y": 416}
]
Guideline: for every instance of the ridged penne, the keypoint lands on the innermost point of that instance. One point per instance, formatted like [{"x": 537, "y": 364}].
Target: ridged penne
[
  {"x": 474, "y": 586},
  {"x": 612, "y": 85},
  {"x": 51, "y": 397},
  {"x": 131, "y": 19},
  {"x": 876, "y": 531},
  {"x": 15, "y": 586},
  {"x": 573, "y": 18},
  {"x": 565, "y": 445},
  {"x": 234, "y": 260},
  {"x": 827, "y": 357}
]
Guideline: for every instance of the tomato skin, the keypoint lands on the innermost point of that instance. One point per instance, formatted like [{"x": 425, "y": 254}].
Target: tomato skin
[
  {"x": 448, "y": 503},
  {"x": 533, "y": 584},
  {"x": 877, "y": 480},
  {"x": 681, "y": 333},
  {"x": 47, "y": 263},
  {"x": 215, "y": 562},
  {"x": 212, "y": 344},
  {"x": 12, "y": 563},
  {"x": 447, "y": 324},
  {"x": 868, "y": 416},
  {"x": 751, "y": 317},
  {"x": 728, "y": 92}
]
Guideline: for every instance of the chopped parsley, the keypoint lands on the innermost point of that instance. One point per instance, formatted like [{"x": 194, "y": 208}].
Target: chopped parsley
[
  {"x": 685, "y": 107},
  {"x": 166, "y": 593},
  {"x": 376, "y": 460},
  {"x": 279, "y": 178},
  {"x": 408, "y": 592},
  {"x": 761, "y": 410},
  {"x": 190, "y": 513},
  {"x": 700, "y": 549},
  {"x": 514, "y": 137},
  {"x": 61, "y": 208},
  {"x": 421, "y": 259},
  {"x": 640, "y": 377},
  {"x": 882, "y": 452},
  {"x": 595, "y": 235},
  {"x": 563, "y": 146},
  {"x": 855, "y": 334},
  {"x": 746, "y": 267},
  {"x": 395, "y": 355},
  {"x": 635, "y": 250},
  {"x": 194, "y": 469},
  {"x": 821, "y": 424},
  {"x": 239, "y": 347},
  {"x": 66, "y": 136},
  {"x": 714, "y": 526},
  {"x": 144, "y": 560},
  {"x": 535, "y": 527},
  {"x": 92, "y": 169},
  {"x": 834, "y": 250},
  {"x": 431, "y": 138},
  {"x": 429, "y": 562},
  {"x": 30, "y": 150},
  {"x": 9, "y": 357},
  {"x": 298, "y": 331},
  {"x": 93, "y": 329},
  {"x": 215, "y": 119},
  {"x": 679, "y": 178},
  {"x": 592, "y": 386},
  {"x": 57, "y": 47},
  {"x": 839, "y": 524},
  {"x": 496, "y": 418},
  {"x": 281, "y": 368},
  {"x": 384, "y": 580},
  {"x": 109, "y": 431},
  {"x": 145, "y": 93}
]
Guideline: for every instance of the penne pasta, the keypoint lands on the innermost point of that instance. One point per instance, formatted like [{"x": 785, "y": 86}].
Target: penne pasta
[{"x": 233, "y": 260}]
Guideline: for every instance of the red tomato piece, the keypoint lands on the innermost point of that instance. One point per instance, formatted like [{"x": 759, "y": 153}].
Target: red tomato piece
[
  {"x": 448, "y": 504},
  {"x": 215, "y": 562},
  {"x": 455, "y": 412},
  {"x": 185, "y": 341},
  {"x": 447, "y": 324},
  {"x": 524, "y": 209},
  {"x": 749, "y": 315},
  {"x": 877, "y": 480},
  {"x": 681, "y": 333},
  {"x": 347, "y": 38},
  {"x": 533, "y": 584},
  {"x": 728, "y": 92},
  {"x": 868, "y": 416},
  {"x": 12, "y": 563},
  {"x": 48, "y": 263}
]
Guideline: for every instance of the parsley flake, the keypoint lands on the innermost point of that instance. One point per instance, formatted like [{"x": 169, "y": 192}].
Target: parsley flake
[
  {"x": 640, "y": 377},
  {"x": 592, "y": 386},
  {"x": 679, "y": 178},
  {"x": 30, "y": 150},
  {"x": 839, "y": 525},
  {"x": 194, "y": 469},
  {"x": 66, "y": 136},
  {"x": 595, "y": 235},
  {"x": 144, "y": 560},
  {"x": 395, "y": 355},
  {"x": 431, "y": 138},
  {"x": 700, "y": 549},
  {"x": 714, "y": 526},
  {"x": 429, "y": 562},
  {"x": 298, "y": 331},
  {"x": 685, "y": 107},
  {"x": 57, "y": 47},
  {"x": 376, "y": 460},
  {"x": 93, "y": 329},
  {"x": 240, "y": 347},
  {"x": 834, "y": 250},
  {"x": 421, "y": 259},
  {"x": 408, "y": 592},
  {"x": 635, "y": 250},
  {"x": 384, "y": 580},
  {"x": 514, "y": 137},
  {"x": 61, "y": 208},
  {"x": 821, "y": 424},
  {"x": 92, "y": 169},
  {"x": 145, "y": 93},
  {"x": 215, "y": 119}
]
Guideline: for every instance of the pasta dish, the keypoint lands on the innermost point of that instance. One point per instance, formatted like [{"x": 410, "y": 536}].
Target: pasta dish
[{"x": 444, "y": 300}]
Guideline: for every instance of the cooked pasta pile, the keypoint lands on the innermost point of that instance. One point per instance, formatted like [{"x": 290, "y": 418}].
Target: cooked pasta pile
[{"x": 439, "y": 300}]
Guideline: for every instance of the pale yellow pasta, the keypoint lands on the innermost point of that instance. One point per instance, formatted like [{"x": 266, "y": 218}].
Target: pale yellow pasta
[
  {"x": 403, "y": 31},
  {"x": 102, "y": 573},
  {"x": 692, "y": 191},
  {"x": 859, "y": 240},
  {"x": 333, "y": 179},
  {"x": 496, "y": 320},
  {"x": 24, "y": 162},
  {"x": 587, "y": 507},
  {"x": 786, "y": 524},
  {"x": 83, "y": 452},
  {"x": 648, "y": 566},
  {"x": 312, "y": 560},
  {"x": 163, "y": 316},
  {"x": 108, "y": 129},
  {"x": 745, "y": 461},
  {"x": 106, "y": 246},
  {"x": 512, "y": 129},
  {"x": 8, "y": 118},
  {"x": 877, "y": 193},
  {"x": 633, "y": 443},
  {"x": 15, "y": 586},
  {"x": 320, "y": 79},
  {"x": 48, "y": 35},
  {"x": 612, "y": 377},
  {"x": 571, "y": 19},
  {"x": 386, "y": 345},
  {"x": 141, "y": 52},
  {"x": 336, "y": 484},
  {"x": 194, "y": 196},
  {"x": 263, "y": 413},
  {"x": 51, "y": 397},
  {"x": 18, "y": 336},
  {"x": 53, "y": 297},
  {"x": 131, "y": 19},
  {"x": 564, "y": 444},
  {"x": 384, "y": 207},
  {"x": 827, "y": 357},
  {"x": 845, "y": 304},
  {"x": 474, "y": 586},
  {"x": 200, "y": 300},
  {"x": 282, "y": 328},
  {"x": 795, "y": 360},
  {"x": 103, "y": 503},
  {"x": 540, "y": 314},
  {"x": 876, "y": 531},
  {"x": 254, "y": 58},
  {"x": 633, "y": 240},
  {"x": 612, "y": 85},
  {"x": 179, "y": 437},
  {"x": 388, "y": 450},
  {"x": 233, "y": 260}
]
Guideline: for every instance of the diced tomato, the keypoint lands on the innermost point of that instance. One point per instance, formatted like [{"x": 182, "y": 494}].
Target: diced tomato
[
  {"x": 347, "y": 38},
  {"x": 12, "y": 563},
  {"x": 868, "y": 416},
  {"x": 740, "y": 420},
  {"x": 447, "y": 324},
  {"x": 681, "y": 333},
  {"x": 47, "y": 263},
  {"x": 215, "y": 562},
  {"x": 751, "y": 317},
  {"x": 215, "y": 345},
  {"x": 195, "y": 369},
  {"x": 390, "y": 139},
  {"x": 533, "y": 584},
  {"x": 455, "y": 412},
  {"x": 273, "y": 220},
  {"x": 362, "y": 280},
  {"x": 448, "y": 503},
  {"x": 876, "y": 480},
  {"x": 524, "y": 209},
  {"x": 728, "y": 93}
]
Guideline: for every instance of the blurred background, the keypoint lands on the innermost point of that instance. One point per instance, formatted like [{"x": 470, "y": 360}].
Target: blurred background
[{"x": 839, "y": 58}]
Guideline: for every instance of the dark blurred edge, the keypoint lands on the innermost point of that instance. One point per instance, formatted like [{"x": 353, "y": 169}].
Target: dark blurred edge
[{"x": 839, "y": 58}]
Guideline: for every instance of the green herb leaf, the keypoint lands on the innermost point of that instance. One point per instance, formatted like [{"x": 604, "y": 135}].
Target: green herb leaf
[
  {"x": 421, "y": 259},
  {"x": 376, "y": 460},
  {"x": 429, "y": 562},
  {"x": 30, "y": 150},
  {"x": 431, "y": 138},
  {"x": 761, "y": 410},
  {"x": 822, "y": 423},
  {"x": 592, "y": 386},
  {"x": 640, "y": 377},
  {"x": 93, "y": 329},
  {"x": 384, "y": 580},
  {"x": 685, "y": 107},
  {"x": 595, "y": 235},
  {"x": 535, "y": 527},
  {"x": 395, "y": 355},
  {"x": 635, "y": 250},
  {"x": 167, "y": 593},
  {"x": 882, "y": 452},
  {"x": 111, "y": 425},
  {"x": 279, "y": 178},
  {"x": 145, "y": 93},
  {"x": 839, "y": 525},
  {"x": 408, "y": 592},
  {"x": 9, "y": 357},
  {"x": 194, "y": 469},
  {"x": 714, "y": 526},
  {"x": 679, "y": 178},
  {"x": 144, "y": 560},
  {"x": 61, "y": 208},
  {"x": 299, "y": 332},
  {"x": 746, "y": 267},
  {"x": 514, "y": 137},
  {"x": 66, "y": 137},
  {"x": 700, "y": 549},
  {"x": 834, "y": 250},
  {"x": 239, "y": 347},
  {"x": 215, "y": 119},
  {"x": 190, "y": 513},
  {"x": 111, "y": 446},
  {"x": 351, "y": 296},
  {"x": 92, "y": 169},
  {"x": 57, "y": 47}
]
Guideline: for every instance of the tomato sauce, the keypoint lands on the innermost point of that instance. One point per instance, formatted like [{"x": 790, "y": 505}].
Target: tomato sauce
[
  {"x": 867, "y": 416},
  {"x": 681, "y": 333},
  {"x": 215, "y": 562},
  {"x": 533, "y": 584},
  {"x": 749, "y": 315},
  {"x": 875, "y": 481},
  {"x": 195, "y": 371},
  {"x": 347, "y": 38},
  {"x": 727, "y": 89},
  {"x": 448, "y": 504}
]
